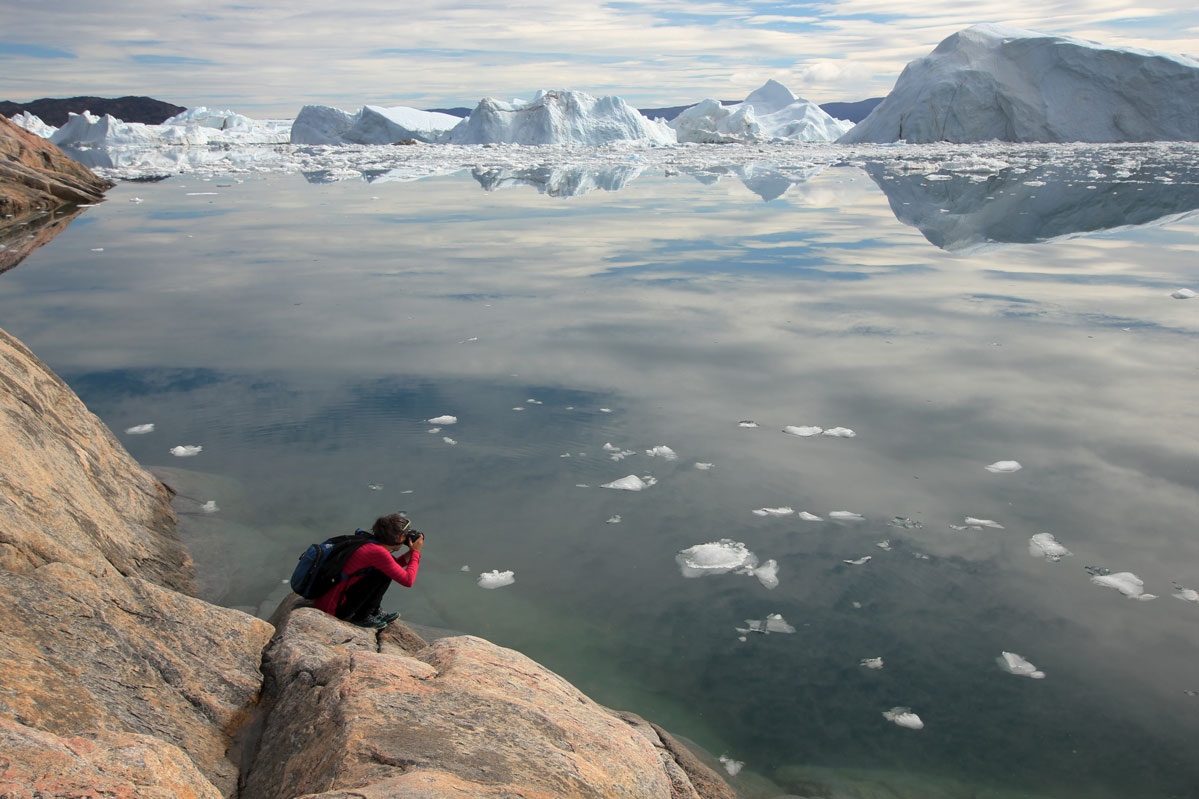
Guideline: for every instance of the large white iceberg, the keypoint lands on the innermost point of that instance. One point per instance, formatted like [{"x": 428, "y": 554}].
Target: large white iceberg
[
  {"x": 558, "y": 117},
  {"x": 373, "y": 124},
  {"x": 33, "y": 123},
  {"x": 194, "y": 127},
  {"x": 769, "y": 112},
  {"x": 997, "y": 82}
]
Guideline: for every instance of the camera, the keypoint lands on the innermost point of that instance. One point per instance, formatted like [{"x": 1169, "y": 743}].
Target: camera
[{"x": 410, "y": 537}]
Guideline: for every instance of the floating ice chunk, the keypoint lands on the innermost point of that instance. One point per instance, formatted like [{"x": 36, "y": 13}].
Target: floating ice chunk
[
  {"x": 186, "y": 450},
  {"x": 519, "y": 408},
  {"x": 1003, "y": 467},
  {"x": 847, "y": 516},
  {"x": 773, "y": 623},
  {"x": 533, "y": 402},
  {"x": 631, "y": 483},
  {"x": 136, "y": 200},
  {"x": 97, "y": 249},
  {"x": 614, "y": 520},
  {"x": 767, "y": 574},
  {"x": 1044, "y": 545},
  {"x": 801, "y": 430},
  {"x": 747, "y": 423},
  {"x": 730, "y": 765},
  {"x": 465, "y": 569},
  {"x": 839, "y": 432},
  {"x": 564, "y": 455},
  {"x": 140, "y": 429},
  {"x": 210, "y": 506},
  {"x": 885, "y": 546},
  {"x": 374, "y": 486},
  {"x": 433, "y": 430},
  {"x": 496, "y": 579},
  {"x": 605, "y": 410},
  {"x": 621, "y": 454},
  {"x": 905, "y": 523},
  {"x": 703, "y": 467},
  {"x": 610, "y": 447},
  {"x": 809, "y": 517},
  {"x": 1015, "y": 664},
  {"x": 1184, "y": 294},
  {"x": 904, "y": 717},
  {"x": 449, "y": 440},
  {"x": 783, "y": 511},
  {"x": 447, "y": 419},
  {"x": 662, "y": 451},
  {"x": 1185, "y": 594},
  {"x": 862, "y": 561},
  {"x": 716, "y": 557},
  {"x": 973, "y": 522},
  {"x": 871, "y": 663},
  {"x": 1126, "y": 583}
]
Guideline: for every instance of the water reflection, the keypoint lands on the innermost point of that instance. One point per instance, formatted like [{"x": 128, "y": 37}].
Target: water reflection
[
  {"x": 556, "y": 181},
  {"x": 969, "y": 212},
  {"x": 305, "y": 334}
]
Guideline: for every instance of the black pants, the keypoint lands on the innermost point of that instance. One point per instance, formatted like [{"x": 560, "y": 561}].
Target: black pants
[{"x": 364, "y": 597}]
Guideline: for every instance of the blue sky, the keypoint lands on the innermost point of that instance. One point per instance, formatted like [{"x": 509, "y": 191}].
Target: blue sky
[{"x": 270, "y": 58}]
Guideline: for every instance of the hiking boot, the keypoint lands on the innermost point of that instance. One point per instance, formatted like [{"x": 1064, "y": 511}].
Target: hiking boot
[
  {"x": 369, "y": 621},
  {"x": 387, "y": 618}
]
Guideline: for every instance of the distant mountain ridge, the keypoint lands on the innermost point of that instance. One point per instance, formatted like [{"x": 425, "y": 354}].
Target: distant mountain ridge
[{"x": 54, "y": 111}]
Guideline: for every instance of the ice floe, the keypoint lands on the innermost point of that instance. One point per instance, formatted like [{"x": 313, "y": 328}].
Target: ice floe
[
  {"x": 186, "y": 450},
  {"x": 783, "y": 511},
  {"x": 1184, "y": 294},
  {"x": 724, "y": 556},
  {"x": 767, "y": 574},
  {"x": 662, "y": 451},
  {"x": 846, "y": 516},
  {"x": 631, "y": 483},
  {"x": 733, "y": 767},
  {"x": 496, "y": 579},
  {"x": 443, "y": 420},
  {"x": 904, "y": 523},
  {"x": 1126, "y": 583},
  {"x": 1185, "y": 594},
  {"x": 613, "y": 519},
  {"x": 140, "y": 429},
  {"x": 1004, "y": 467},
  {"x": 904, "y": 717},
  {"x": 885, "y": 546},
  {"x": 747, "y": 423},
  {"x": 871, "y": 663},
  {"x": 804, "y": 431},
  {"x": 862, "y": 561},
  {"x": 1015, "y": 664},
  {"x": 449, "y": 440},
  {"x": 809, "y": 517},
  {"x": 773, "y": 623},
  {"x": 1044, "y": 545},
  {"x": 980, "y": 523},
  {"x": 703, "y": 467},
  {"x": 839, "y": 432},
  {"x": 210, "y": 506}
]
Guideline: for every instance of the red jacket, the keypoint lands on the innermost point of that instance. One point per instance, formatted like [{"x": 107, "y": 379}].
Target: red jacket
[{"x": 378, "y": 556}]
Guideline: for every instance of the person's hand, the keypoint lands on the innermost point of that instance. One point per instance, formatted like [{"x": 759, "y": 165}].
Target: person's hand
[{"x": 417, "y": 544}]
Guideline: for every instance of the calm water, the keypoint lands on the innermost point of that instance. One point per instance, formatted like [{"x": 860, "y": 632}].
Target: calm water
[{"x": 302, "y": 332}]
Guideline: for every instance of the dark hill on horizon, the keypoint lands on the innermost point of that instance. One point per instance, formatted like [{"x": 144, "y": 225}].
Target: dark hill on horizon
[{"x": 53, "y": 111}]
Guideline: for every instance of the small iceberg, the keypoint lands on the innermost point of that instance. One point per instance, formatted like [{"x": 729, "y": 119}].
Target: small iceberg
[
  {"x": 449, "y": 440},
  {"x": 904, "y": 717},
  {"x": 783, "y": 511},
  {"x": 862, "y": 561},
  {"x": 1044, "y": 545},
  {"x": 1184, "y": 294},
  {"x": 847, "y": 516},
  {"x": 809, "y": 517},
  {"x": 1004, "y": 467},
  {"x": 803, "y": 431},
  {"x": 631, "y": 483},
  {"x": 447, "y": 419},
  {"x": 747, "y": 423},
  {"x": 703, "y": 467},
  {"x": 773, "y": 623},
  {"x": 496, "y": 579},
  {"x": 210, "y": 506},
  {"x": 839, "y": 432},
  {"x": 613, "y": 520},
  {"x": 973, "y": 522},
  {"x": 715, "y": 557},
  {"x": 767, "y": 574},
  {"x": 662, "y": 451},
  {"x": 140, "y": 429},
  {"x": 1015, "y": 664},
  {"x": 1126, "y": 583},
  {"x": 186, "y": 450},
  {"x": 1185, "y": 594},
  {"x": 733, "y": 767},
  {"x": 871, "y": 663}
]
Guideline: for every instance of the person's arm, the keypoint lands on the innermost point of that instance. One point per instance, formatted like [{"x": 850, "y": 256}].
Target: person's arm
[{"x": 383, "y": 560}]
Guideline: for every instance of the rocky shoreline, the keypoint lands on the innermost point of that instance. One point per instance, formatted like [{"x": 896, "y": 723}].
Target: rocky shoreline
[{"x": 115, "y": 680}]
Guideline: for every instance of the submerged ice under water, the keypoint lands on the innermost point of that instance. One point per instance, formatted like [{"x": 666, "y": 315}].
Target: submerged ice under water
[{"x": 322, "y": 317}]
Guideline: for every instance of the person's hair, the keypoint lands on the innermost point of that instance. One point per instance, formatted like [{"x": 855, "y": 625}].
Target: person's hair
[{"x": 390, "y": 529}]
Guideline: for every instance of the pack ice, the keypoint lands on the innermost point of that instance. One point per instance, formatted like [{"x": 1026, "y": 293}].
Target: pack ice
[
  {"x": 372, "y": 124},
  {"x": 769, "y": 112},
  {"x": 194, "y": 127},
  {"x": 999, "y": 82},
  {"x": 558, "y": 117}
]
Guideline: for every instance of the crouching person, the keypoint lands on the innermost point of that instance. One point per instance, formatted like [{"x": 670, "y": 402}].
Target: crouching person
[{"x": 370, "y": 571}]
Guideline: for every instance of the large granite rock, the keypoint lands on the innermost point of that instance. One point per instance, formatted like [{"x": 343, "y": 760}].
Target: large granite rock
[
  {"x": 71, "y": 493},
  {"x": 355, "y": 713},
  {"x": 37, "y": 176}
]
